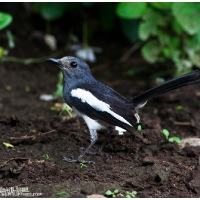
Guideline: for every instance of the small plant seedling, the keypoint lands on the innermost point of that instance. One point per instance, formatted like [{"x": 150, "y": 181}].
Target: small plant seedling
[
  {"x": 7, "y": 145},
  {"x": 112, "y": 194},
  {"x": 166, "y": 133},
  {"x": 27, "y": 88},
  {"x": 62, "y": 107},
  {"x": 174, "y": 139},
  {"x": 46, "y": 156},
  {"x": 83, "y": 165},
  {"x": 131, "y": 194},
  {"x": 65, "y": 107},
  {"x": 170, "y": 139},
  {"x": 139, "y": 128},
  {"x": 180, "y": 107},
  {"x": 62, "y": 193}
]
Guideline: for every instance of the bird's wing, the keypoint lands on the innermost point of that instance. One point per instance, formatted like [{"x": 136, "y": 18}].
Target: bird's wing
[{"x": 101, "y": 103}]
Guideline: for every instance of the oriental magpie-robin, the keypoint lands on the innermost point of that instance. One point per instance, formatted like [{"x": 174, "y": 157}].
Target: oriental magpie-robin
[{"x": 100, "y": 106}]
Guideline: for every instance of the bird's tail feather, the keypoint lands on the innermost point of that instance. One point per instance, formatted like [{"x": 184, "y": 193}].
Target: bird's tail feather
[{"x": 175, "y": 83}]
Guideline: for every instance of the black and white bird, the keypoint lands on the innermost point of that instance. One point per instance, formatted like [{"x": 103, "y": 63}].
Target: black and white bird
[{"x": 100, "y": 106}]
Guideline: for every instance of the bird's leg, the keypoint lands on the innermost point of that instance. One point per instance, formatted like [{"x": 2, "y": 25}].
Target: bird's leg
[
  {"x": 93, "y": 136},
  {"x": 100, "y": 150}
]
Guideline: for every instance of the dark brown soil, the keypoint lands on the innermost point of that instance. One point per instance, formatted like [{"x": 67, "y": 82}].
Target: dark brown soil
[{"x": 157, "y": 169}]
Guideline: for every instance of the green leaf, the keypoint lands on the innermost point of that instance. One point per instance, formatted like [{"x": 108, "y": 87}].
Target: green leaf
[
  {"x": 166, "y": 133},
  {"x": 194, "y": 55},
  {"x": 151, "y": 20},
  {"x": 177, "y": 27},
  {"x": 134, "y": 192},
  {"x": 151, "y": 51},
  {"x": 161, "y": 5},
  {"x": 167, "y": 52},
  {"x": 108, "y": 193},
  {"x": 116, "y": 191},
  {"x": 188, "y": 15},
  {"x": 146, "y": 29},
  {"x": 5, "y": 20},
  {"x": 179, "y": 107},
  {"x": 131, "y": 10},
  {"x": 1, "y": 52},
  {"x": 163, "y": 37},
  {"x": 8, "y": 145},
  {"x": 139, "y": 128},
  {"x": 174, "y": 139},
  {"x": 52, "y": 10},
  {"x": 63, "y": 192}
]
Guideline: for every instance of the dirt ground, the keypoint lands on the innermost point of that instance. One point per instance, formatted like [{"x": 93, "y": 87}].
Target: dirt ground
[{"x": 157, "y": 169}]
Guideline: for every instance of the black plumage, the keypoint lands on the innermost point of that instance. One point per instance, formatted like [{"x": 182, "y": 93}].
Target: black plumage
[{"x": 100, "y": 106}]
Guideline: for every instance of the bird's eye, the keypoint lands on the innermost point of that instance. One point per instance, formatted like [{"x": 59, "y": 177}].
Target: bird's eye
[{"x": 73, "y": 64}]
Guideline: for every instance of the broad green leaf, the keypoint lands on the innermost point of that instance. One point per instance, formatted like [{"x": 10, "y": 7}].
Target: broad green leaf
[
  {"x": 177, "y": 27},
  {"x": 56, "y": 10},
  {"x": 154, "y": 17},
  {"x": 166, "y": 133},
  {"x": 195, "y": 58},
  {"x": 188, "y": 15},
  {"x": 174, "y": 139},
  {"x": 116, "y": 191},
  {"x": 167, "y": 52},
  {"x": 131, "y": 10},
  {"x": 164, "y": 38},
  {"x": 52, "y": 10},
  {"x": 161, "y": 5},
  {"x": 151, "y": 51},
  {"x": 151, "y": 20},
  {"x": 139, "y": 128},
  {"x": 108, "y": 192},
  {"x": 5, "y": 20},
  {"x": 146, "y": 29}
]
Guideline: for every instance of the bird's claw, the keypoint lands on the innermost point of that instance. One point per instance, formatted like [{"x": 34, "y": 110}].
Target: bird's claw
[
  {"x": 98, "y": 152},
  {"x": 73, "y": 160}
]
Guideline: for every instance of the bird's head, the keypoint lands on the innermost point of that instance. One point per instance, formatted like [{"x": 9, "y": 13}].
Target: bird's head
[{"x": 72, "y": 67}]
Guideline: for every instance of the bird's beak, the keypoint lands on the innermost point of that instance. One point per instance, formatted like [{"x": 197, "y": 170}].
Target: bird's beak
[{"x": 55, "y": 61}]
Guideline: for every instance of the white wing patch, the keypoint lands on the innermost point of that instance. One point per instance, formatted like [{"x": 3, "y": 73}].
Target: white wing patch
[
  {"x": 90, "y": 99},
  {"x": 92, "y": 124}
]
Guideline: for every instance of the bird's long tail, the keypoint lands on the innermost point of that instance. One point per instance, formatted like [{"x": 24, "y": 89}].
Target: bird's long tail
[{"x": 175, "y": 83}]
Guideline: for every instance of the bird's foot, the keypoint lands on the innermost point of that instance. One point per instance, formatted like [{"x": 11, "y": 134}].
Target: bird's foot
[
  {"x": 79, "y": 160},
  {"x": 96, "y": 152}
]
